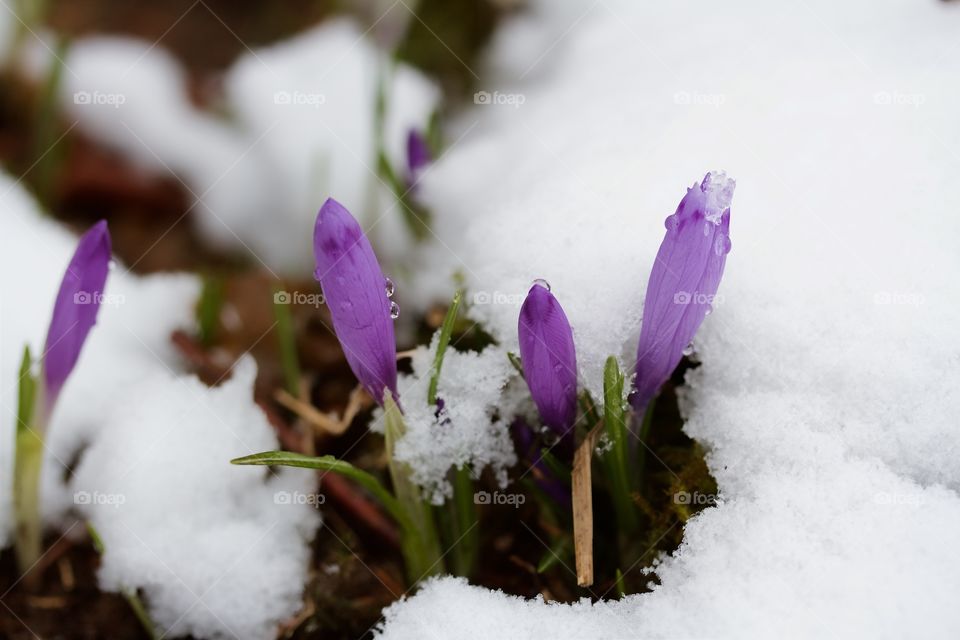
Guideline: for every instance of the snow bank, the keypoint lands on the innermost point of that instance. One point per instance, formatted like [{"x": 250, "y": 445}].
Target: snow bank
[
  {"x": 298, "y": 127},
  {"x": 132, "y": 336},
  {"x": 828, "y": 388},
  {"x": 217, "y": 550}
]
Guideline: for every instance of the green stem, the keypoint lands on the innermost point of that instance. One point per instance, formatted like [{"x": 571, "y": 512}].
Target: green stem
[
  {"x": 26, "y": 498},
  {"x": 420, "y": 544},
  {"x": 464, "y": 541},
  {"x": 28, "y": 462},
  {"x": 643, "y": 436},
  {"x": 616, "y": 460},
  {"x": 288, "y": 343}
]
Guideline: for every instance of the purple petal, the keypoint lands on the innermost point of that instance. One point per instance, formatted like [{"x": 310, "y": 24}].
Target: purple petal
[
  {"x": 418, "y": 156},
  {"x": 354, "y": 288},
  {"x": 75, "y": 309},
  {"x": 549, "y": 358},
  {"x": 683, "y": 281}
]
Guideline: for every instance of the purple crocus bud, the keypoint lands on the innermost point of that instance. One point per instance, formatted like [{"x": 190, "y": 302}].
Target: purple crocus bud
[
  {"x": 75, "y": 309},
  {"x": 549, "y": 358},
  {"x": 357, "y": 294},
  {"x": 418, "y": 156},
  {"x": 683, "y": 281}
]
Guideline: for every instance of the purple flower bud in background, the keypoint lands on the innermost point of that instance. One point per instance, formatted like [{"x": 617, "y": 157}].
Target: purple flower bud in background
[
  {"x": 357, "y": 294},
  {"x": 683, "y": 281},
  {"x": 75, "y": 309},
  {"x": 418, "y": 156},
  {"x": 548, "y": 356}
]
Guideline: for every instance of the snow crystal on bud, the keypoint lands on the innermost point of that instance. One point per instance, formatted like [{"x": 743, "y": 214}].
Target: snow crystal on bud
[{"x": 718, "y": 189}]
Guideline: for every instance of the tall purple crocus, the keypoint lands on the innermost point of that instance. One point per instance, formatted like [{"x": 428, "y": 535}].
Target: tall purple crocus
[
  {"x": 549, "y": 358},
  {"x": 75, "y": 309},
  {"x": 356, "y": 292},
  {"x": 683, "y": 281},
  {"x": 418, "y": 156}
]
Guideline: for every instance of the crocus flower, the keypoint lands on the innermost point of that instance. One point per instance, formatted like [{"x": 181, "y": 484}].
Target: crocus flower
[
  {"x": 356, "y": 293},
  {"x": 683, "y": 281},
  {"x": 75, "y": 309},
  {"x": 418, "y": 156},
  {"x": 549, "y": 359}
]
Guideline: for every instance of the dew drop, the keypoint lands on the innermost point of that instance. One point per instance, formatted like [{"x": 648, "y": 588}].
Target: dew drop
[
  {"x": 722, "y": 245},
  {"x": 389, "y": 287},
  {"x": 540, "y": 282},
  {"x": 346, "y": 306},
  {"x": 688, "y": 350},
  {"x": 557, "y": 368},
  {"x": 671, "y": 222},
  {"x": 708, "y": 310},
  {"x": 394, "y": 310},
  {"x": 317, "y": 274}
]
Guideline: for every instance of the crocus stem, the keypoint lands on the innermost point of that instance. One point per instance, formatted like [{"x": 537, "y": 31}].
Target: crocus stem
[
  {"x": 643, "y": 434},
  {"x": 463, "y": 532},
  {"x": 446, "y": 330},
  {"x": 420, "y": 544},
  {"x": 28, "y": 461},
  {"x": 615, "y": 459},
  {"x": 26, "y": 500}
]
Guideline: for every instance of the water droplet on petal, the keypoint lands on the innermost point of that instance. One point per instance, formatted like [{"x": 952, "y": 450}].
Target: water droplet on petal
[
  {"x": 341, "y": 281},
  {"x": 394, "y": 310},
  {"x": 708, "y": 310},
  {"x": 671, "y": 222},
  {"x": 346, "y": 306},
  {"x": 389, "y": 287},
  {"x": 540, "y": 282},
  {"x": 722, "y": 245},
  {"x": 688, "y": 350},
  {"x": 317, "y": 274},
  {"x": 706, "y": 228}
]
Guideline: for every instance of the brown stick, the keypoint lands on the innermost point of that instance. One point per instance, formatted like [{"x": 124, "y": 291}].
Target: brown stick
[{"x": 582, "y": 489}]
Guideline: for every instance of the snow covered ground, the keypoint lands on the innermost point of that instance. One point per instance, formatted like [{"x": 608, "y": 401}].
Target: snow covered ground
[
  {"x": 217, "y": 551},
  {"x": 828, "y": 393}
]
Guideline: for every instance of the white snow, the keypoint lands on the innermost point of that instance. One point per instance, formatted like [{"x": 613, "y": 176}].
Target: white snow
[
  {"x": 218, "y": 551},
  {"x": 215, "y": 553},
  {"x": 297, "y": 127},
  {"x": 829, "y": 386},
  {"x": 471, "y": 430}
]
